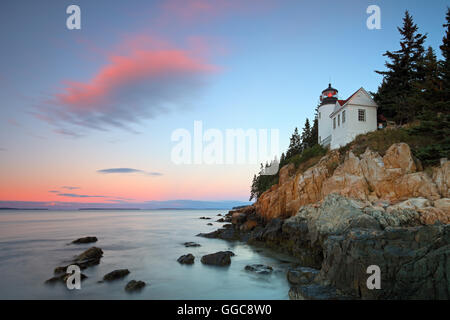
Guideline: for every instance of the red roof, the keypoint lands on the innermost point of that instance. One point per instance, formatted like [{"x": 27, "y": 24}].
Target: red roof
[{"x": 342, "y": 102}]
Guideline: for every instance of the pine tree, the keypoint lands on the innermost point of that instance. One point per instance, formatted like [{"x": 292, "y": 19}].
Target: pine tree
[
  {"x": 445, "y": 64},
  {"x": 294, "y": 145},
  {"x": 306, "y": 136},
  {"x": 429, "y": 88},
  {"x": 397, "y": 92},
  {"x": 282, "y": 160},
  {"x": 315, "y": 129}
]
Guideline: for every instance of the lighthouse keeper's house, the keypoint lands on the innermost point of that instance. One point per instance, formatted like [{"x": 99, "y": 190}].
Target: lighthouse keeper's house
[{"x": 340, "y": 121}]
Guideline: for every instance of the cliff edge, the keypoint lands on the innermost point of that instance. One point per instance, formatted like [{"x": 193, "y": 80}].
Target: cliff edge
[
  {"x": 347, "y": 213},
  {"x": 381, "y": 181}
]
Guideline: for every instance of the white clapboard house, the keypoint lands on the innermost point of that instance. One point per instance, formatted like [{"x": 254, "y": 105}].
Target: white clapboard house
[{"x": 340, "y": 121}]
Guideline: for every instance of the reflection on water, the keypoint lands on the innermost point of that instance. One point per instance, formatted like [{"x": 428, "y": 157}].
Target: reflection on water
[{"x": 148, "y": 243}]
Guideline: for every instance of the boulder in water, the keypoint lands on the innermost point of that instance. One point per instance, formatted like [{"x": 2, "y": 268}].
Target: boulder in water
[
  {"x": 134, "y": 285},
  {"x": 221, "y": 258},
  {"x": 186, "y": 259},
  {"x": 116, "y": 274}
]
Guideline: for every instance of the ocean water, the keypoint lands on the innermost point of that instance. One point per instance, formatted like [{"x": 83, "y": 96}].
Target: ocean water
[{"x": 148, "y": 243}]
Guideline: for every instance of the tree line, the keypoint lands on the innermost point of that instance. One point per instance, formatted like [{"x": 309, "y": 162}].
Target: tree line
[
  {"x": 415, "y": 89},
  {"x": 300, "y": 144},
  {"x": 415, "y": 82}
]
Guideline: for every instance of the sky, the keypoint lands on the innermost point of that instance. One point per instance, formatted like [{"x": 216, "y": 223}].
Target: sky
[{"x": 88, "y": 115}]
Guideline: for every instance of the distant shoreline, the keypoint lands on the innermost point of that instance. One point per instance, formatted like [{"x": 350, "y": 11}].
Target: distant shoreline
[
  {"x": 25, "y": 209},
  {"x": 98, "y": 209},
  {"x": 109, "y": 209}
]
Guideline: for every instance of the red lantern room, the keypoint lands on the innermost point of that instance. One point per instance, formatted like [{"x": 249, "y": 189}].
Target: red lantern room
[{"x": 329, "y": 95}]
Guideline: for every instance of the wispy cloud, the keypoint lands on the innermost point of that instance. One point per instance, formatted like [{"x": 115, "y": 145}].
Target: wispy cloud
[
  {"x": 105, "y": 197},
  {"x": 67, "y": 132},
  {"x": 2, "y": 149},
  {"x": 70, "y": 188},
  {"x": 128, "y": 170},
  {"x": 141, "y": 79},
  {"x": 73, "y": 195}
]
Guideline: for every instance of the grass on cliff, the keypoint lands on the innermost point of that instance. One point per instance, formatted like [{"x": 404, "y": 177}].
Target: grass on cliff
[
  {"x": 429, "y": 140},
  {"x": 308, "y": 157}
]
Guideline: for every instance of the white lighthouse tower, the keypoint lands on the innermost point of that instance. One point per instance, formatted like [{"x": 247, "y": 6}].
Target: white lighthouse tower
[{"x": 328, "y": 99}]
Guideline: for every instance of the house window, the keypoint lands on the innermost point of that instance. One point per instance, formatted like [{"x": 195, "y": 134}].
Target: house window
[
  {"x": 334, "y": 123},
  {"x": 361, "y": 115},
  {"x": 339, "y": 120},
  {"x": 319, "y": 115},
  {"x": 343, "y": 116},
  {"x": 320, "y": 139}
]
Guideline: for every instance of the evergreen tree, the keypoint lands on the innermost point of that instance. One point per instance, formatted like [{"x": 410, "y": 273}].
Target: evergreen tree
[
  {"x": 315, "y": 129},
  {"x": 436, "y": 127},
  {"x": 429, "y": 88},
  {"x": 294, "y": 145},
  {"x": 306, "y": 136},
  {"x": 282, "y": 160},
  {"x": 397, "y": 92},
  {"x": 445, "y": 64}
]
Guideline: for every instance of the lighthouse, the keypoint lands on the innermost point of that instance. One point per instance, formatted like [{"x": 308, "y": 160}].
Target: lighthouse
[{"x": 328, "y": 100}]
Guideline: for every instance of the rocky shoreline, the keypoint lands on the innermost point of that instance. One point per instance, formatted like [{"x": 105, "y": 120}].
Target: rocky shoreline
[
  {"x": 336, "y": 239},
  {"x": 89, "y": 258}
]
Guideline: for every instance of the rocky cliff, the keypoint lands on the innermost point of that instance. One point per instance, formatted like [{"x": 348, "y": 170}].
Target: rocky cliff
[
  {"x": 349, "y": 212},
  {"x": 380, "y": 181},
  {"x": 336, "y": 240}
]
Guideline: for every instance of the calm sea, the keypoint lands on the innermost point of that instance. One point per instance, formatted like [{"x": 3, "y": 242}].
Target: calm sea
[{"x": 148, "y": 243}]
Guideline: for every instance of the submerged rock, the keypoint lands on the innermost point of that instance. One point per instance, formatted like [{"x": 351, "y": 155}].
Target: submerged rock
[
  {"x": 134, "y": 285},
  {"x": 191, "y": 244},
  {"x": 205, "y": 218},
  {"x": 186, "y": 259},
  {"x": 221, "y": 258},
  {"x": 88, "y": 258},
  {"x": 209, "y": 224},
  {"x": 116, "y": 274},
  {"x": 85, "y": 240},
  {"x": 225, "y": 233},
  {"x": 259, "y": 268},
  {"x": 301, "y": 275}
]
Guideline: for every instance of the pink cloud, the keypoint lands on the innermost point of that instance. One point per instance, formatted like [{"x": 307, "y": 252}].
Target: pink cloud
[
  {"x": 122, "y": 70},
  {"x": 149, "y": 78}
]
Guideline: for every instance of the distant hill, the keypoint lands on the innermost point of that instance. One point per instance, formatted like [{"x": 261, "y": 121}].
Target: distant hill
[{"x": 148, "y": 205}]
